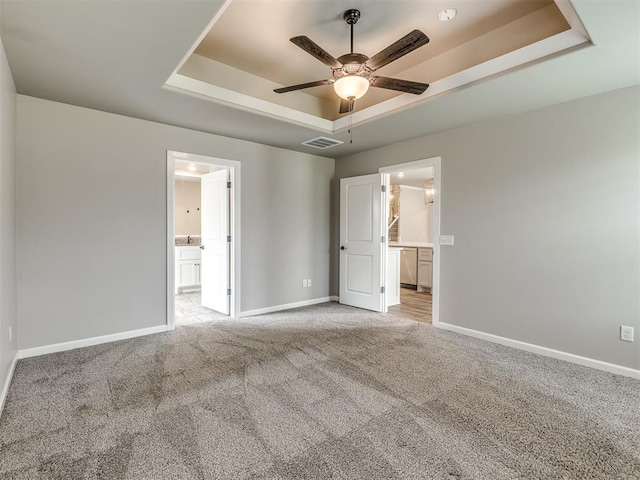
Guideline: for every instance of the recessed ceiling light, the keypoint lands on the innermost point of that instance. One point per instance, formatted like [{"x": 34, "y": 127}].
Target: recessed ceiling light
[
  {"x": 447, "y": 14},
  {"x": 192, "y": 167},
  {"x": 401, "y": 174}
]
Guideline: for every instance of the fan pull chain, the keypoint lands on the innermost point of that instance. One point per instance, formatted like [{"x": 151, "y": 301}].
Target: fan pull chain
[{"x": 350, "y": 128}]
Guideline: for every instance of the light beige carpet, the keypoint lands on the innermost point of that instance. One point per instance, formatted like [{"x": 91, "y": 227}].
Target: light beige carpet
[{"x": 320, "y": 392}]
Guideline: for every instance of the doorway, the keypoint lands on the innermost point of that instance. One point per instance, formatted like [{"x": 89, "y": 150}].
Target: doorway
[
  {"x": 413, "y": 229},
  {"x": 203, "y": 233},
  {"x": 369, "y": 274}
]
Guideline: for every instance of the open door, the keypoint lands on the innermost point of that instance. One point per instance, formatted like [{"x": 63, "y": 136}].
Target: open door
[
  {"x": 362, "y": 242},
  {"x": 214, "y": 263}
]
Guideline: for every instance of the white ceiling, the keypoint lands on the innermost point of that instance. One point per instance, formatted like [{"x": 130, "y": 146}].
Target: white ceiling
[
  {"x": 412, "y": 178},
  {"x": 115, "y": 56}
]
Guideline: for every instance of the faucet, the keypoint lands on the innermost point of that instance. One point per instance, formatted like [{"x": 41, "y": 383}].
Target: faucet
[{"x": 188, "y": 239}]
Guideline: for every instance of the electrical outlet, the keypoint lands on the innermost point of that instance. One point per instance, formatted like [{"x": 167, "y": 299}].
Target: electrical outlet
[
  {"x": 446, "y": 240},
  {"x": 626, "y": 333},
  {"x": 304, "y": 283},
  {"x": 309, "y": 283}
]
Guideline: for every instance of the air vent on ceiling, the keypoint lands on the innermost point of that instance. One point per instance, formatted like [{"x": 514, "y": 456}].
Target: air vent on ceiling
[{"x": 322, "y": 142}]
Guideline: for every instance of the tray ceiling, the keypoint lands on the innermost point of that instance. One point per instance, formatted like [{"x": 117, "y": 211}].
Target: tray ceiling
[{"x": 246, "y": 52}]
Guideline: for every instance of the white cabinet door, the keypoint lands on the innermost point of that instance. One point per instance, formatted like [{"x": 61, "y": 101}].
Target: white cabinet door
[
  {"x": 187, "y": 267},
  {"x": 425, "y": 272},
  {"x": 361, "y": 247},
  {"x": 408, "y": 265},
  {"x": 187, "y": 274}
]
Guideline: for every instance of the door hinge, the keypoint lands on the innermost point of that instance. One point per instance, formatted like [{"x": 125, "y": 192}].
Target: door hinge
[
  {"x": 383, "y": 239},
  {"x": 384, "y": 188},
  {"x": 381, "y": 289},
  {"x": 228, "y": 184},
  {"x": 228, "y": 238},
  {"x": 228, "y": 291}
]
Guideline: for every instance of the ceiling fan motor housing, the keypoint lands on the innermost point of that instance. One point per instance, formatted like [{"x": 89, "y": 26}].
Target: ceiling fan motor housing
[
  {"x": 352, "y": 64},
  {"x": 351, "y": 16}
]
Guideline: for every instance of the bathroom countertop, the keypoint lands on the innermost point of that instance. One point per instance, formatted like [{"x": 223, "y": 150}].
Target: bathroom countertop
[{"x": 187, "y": 240}]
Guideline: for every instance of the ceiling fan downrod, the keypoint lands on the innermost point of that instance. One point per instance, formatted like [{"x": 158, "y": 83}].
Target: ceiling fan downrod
[{"x": 351, "y": 16}]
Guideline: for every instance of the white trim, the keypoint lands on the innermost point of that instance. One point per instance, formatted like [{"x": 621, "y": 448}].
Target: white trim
[
  {"x": 434, "y": 162},
  {"x": 171, "y": 251},
  {"x": 334, "y": 298},
  {"x": 286, "y": 306},
  {"x": 224, "y": 96},
  {"x": 234, "y": 167},
  {"x": 547, "y": 352},
  {"x": 7, "y": 383},
  {"x": 384, "y": 248},
  {"x": 571, "y": 17},
  {"x": 88, "y": 342}
]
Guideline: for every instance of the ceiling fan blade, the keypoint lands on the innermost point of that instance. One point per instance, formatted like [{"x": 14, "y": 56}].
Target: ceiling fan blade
[
  {"x": 346, "y": 106},
  {"x": 399, "y": 85},
  {"x": 300, "y": 86},
  {"x": 406, "y": 44},
  {"x": 313, "y": 49}
]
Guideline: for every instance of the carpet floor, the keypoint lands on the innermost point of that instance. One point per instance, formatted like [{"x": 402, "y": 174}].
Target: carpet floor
[{"x": 321, "y": 392}]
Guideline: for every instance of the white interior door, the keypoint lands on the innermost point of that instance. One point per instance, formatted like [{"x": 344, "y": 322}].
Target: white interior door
[
  {"x": 214, "y": 264},
  {"x": 361, "y": 245}
]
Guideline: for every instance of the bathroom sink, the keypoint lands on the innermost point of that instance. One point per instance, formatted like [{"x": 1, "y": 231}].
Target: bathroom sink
[{"x": 187, "y": 240}]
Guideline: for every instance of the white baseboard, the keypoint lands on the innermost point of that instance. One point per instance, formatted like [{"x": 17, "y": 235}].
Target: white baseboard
[
  {"x": 335, "y": 298},
  {"x": 286, "y": 306},
  {"x": 7, "y": 382},
  {"x": 547, "y": 352},
  {"x": 87, "y": 342}
]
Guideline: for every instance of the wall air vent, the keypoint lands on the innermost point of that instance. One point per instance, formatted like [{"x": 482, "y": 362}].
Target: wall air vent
[{"x": 322, "y": 142}]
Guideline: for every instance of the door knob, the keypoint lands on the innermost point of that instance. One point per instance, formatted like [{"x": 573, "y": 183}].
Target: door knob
[
  {"x": 342, "y": 247},
  {"x": 201, "y": 247}
]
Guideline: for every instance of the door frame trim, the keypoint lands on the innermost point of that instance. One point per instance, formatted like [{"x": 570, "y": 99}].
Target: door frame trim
[
  {"x": 234, "y": 167},
  {"x": 434, "y": 162}
]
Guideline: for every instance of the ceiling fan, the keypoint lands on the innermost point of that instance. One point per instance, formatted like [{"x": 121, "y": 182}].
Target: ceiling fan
[{"x": 352, "y": 71}]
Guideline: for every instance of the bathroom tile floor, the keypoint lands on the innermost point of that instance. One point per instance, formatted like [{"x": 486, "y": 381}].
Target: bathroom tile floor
[{"x": 189, "y": 310}]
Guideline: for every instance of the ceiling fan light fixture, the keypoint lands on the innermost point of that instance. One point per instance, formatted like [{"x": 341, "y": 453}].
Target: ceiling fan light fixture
[{"x": 351, "y": 87}]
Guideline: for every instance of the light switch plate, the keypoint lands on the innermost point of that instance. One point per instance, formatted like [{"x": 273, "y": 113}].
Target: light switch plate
[{"x": 446, "y": 240}]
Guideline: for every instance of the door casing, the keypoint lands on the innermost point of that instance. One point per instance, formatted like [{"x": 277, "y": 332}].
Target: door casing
[{"x": 434, "y": 162}]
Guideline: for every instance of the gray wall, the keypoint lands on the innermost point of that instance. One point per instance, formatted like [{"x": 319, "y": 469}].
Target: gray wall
[
  {"x": 92, "y": 253},
  {"x": 544, "y": 207},
  {"x": 8, "y": 315}
]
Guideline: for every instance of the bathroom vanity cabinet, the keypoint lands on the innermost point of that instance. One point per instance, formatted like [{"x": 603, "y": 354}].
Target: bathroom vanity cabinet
[{"x": 187, "y": 269}]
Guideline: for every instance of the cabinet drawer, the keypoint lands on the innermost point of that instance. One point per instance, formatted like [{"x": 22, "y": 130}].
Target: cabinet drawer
[
  {"x": 187, "y": 253},
  {"x": 425, "y": 254},
  {"x": 425, "y": 274}
]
